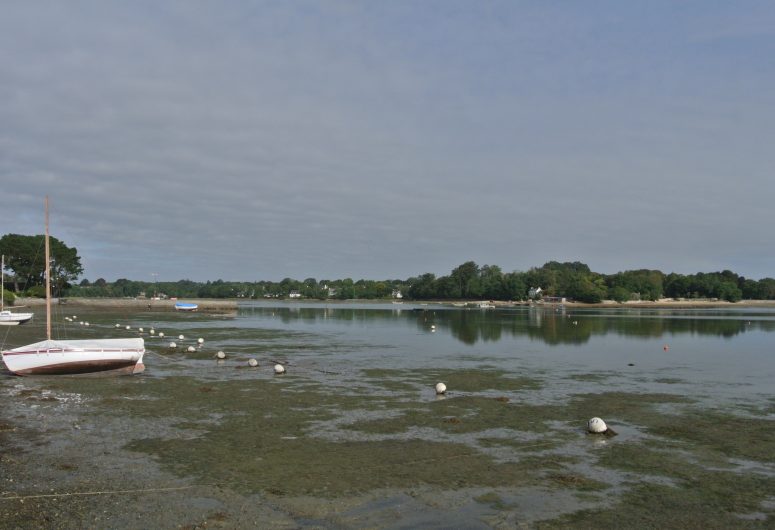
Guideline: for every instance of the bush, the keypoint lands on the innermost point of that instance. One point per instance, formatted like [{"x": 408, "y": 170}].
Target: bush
[
  {"x": 38, "y": 291},
  {"x": 8, "y": 297}
]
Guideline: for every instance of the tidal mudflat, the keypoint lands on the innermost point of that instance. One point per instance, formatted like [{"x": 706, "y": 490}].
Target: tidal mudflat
[{"x": 353, "y": 435}]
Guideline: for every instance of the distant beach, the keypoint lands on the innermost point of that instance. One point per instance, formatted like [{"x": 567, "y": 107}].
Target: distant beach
[{"x": 209, "y": 305}]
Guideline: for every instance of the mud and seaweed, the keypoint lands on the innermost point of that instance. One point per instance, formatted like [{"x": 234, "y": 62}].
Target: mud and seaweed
[{"x": 342, "y": 441}]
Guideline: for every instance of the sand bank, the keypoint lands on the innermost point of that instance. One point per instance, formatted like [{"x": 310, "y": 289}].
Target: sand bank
[{"x": 138, "y": 303}]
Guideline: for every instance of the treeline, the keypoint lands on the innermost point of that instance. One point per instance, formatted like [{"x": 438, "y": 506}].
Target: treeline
[
  {"x": 469, "y": 281},
  {"x": 575, "y": 281},
  {"x": 345, "y": 289}
]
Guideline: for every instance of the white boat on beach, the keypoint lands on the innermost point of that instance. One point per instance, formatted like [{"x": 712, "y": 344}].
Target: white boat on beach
[
  {"x": 9, "y": 318},
  {"x": 185, "y": 306},
  {"x": 59, "y": 357},
  {"x": 72, "y": 357}
]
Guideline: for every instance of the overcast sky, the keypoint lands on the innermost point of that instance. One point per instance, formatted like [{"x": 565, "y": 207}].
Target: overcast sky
[{"x": 252, "y": 140}]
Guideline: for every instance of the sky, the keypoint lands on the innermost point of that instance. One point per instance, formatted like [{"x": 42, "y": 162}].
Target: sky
[{"x": 258, "y": 140}]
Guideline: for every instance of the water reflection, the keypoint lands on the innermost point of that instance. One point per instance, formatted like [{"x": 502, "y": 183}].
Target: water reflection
[{"x": 551, "y": 325}]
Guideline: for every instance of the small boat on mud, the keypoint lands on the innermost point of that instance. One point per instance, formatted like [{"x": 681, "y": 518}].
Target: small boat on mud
[
  {"x": 9, "y": 318},
  {"x": 71, "y": 357},
  {"x": 185, "y": 306}
]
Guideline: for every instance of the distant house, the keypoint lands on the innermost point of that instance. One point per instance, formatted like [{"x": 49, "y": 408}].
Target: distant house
[
  {"x": 397, "y": 294},
  {"x": 534, "y": 292},
  {"x": 331, "y": 292},
  {"x": 294, "y": 294}
]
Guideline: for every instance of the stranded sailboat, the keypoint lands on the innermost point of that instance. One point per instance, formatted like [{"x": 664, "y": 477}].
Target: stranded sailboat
[
  {"x": 8, "y": 318},
  {"x": 94, "y": 356}
]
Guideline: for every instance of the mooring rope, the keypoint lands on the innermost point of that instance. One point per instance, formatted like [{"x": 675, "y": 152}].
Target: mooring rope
[{"x": 5, "y": 497}]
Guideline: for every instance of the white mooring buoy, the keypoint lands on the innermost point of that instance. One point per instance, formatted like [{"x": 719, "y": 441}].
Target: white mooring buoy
[
  {"x": 191, "y": 349},
  {"x": 220, "y": 355},
  {"x": 140, "y": 330},
  {"x": 598, "y": 426},
  {"x": 200, "y": 340},
  {"x": 441, "y": 388},
  {"x": 152, "y": 331},
  {"x": 181, "y": 337},
  {"x": 118, "y": 325},
  {"x": 128, "y": 327},
  {"x": 173, "y": 345},
  {"x": 252, "y": 362},
  {"x": 279, "y": 369},
  {"x": 161, "y": 334}
]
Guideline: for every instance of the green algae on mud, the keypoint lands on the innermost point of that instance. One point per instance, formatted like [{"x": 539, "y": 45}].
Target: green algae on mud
[
  {"x": 478, "y": 380},
  {"x": 696, "y": 497},
  {"x": 358, "y": 424}
]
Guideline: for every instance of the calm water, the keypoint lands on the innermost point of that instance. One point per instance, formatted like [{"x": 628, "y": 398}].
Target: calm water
[{"x": 354, "y": 435}]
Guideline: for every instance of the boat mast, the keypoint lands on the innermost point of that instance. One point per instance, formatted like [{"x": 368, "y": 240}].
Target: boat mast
[
  {"x": 48, "y": 281},
  {"x": 2, "y": 283}
]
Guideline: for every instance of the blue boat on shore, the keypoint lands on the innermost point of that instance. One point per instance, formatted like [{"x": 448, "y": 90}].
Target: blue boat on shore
[{"x": 184, "y": 306}]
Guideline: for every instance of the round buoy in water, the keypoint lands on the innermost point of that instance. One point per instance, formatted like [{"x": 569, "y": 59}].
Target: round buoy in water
[
  {"x": 191, "y": 349},
  {"x": 81, "y": 322},
  {"x": 181, "y": 337},
  {"x": 85, "y": 323},
  {"x": 173, "y": 345},
  {"x": 152, "y": 331},
  {"x": 128, "y": 327},
  {"x": 253, "y": 362},
  {"x": 75, "y": 317},
  {"x": 200, "y": 340},
  {"x": 596, "y": 426},
  {"x": 118, "y": 325},
  {"x": 161, "y": 334},
  {"x": 220, "y": 355},
  {"x": 433, "y": 326},
  {"x": 279, "y": 369},
  {"x": 140, "y": 330},
  {"x": 441, "y": 388}
]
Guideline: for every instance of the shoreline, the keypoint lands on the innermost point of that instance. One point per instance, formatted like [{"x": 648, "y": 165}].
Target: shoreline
[
  {"x": 146, "y": 304},
  {"x": 212, "y": 304}
]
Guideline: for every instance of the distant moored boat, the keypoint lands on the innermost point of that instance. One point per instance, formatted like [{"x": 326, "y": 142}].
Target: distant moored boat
[
  {"x": 9, "y": 318},
  {"x": 184, "y": 306}
]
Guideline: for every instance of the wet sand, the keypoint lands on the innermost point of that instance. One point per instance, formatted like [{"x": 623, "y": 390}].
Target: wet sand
[{"x": 139, "y": 304}]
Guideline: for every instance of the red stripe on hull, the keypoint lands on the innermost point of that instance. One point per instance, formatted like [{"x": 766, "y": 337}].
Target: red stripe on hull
[{"x": 96, "y": 368}]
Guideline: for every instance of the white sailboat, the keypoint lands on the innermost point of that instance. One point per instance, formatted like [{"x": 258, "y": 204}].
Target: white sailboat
[
  {"x": 59, "y": 357},
  {"x": 9, "y": 318}
]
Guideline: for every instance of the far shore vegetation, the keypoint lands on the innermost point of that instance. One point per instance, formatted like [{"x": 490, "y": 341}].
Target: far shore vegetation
[{"x": 572, "y": 281}]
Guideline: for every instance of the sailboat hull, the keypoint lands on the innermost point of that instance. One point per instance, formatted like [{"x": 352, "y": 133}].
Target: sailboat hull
[{"x": 77, "y": 357}]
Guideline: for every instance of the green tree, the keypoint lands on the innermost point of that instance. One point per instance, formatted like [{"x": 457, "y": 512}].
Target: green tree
[
  {"x": 25, "y": 256},
  {"x": 466, "y": 279}
]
